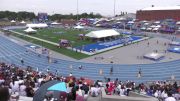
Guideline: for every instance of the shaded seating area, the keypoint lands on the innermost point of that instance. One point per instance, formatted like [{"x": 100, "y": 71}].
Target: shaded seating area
[{"x": 103, "y": 35}]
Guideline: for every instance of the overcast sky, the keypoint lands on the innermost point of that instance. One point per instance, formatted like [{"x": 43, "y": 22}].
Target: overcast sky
[{"x": 104, "y": 7}]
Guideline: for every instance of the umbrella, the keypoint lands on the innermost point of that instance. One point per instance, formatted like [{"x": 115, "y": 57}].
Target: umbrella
[
  {"x": 42, "y": 91},
  {"x": 58, "y": 87}
]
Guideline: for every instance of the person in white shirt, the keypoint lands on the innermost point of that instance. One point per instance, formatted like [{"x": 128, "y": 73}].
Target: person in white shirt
[
  {"x": 79, "y": 92},
  {"x": 14, "y": 86},
  {"x": 22, "y": 90},
  {"x": 94, "y": 91},
  {"x": 164, "y": 94},
  {"x": 170, "y": 98}
]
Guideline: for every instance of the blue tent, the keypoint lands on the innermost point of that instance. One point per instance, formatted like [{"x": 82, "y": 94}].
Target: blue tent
[{"x": 58, "y": 87}]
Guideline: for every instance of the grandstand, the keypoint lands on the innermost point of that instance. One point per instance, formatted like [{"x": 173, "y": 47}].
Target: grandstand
[
  {"x": 151, "y": 72},
  {"x": 89, "y": 57}
]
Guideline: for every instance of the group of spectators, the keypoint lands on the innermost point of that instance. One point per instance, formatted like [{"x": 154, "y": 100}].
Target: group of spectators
[
  {"x": 24, "y": 82},
  {"x": 163, "y": 90},
  {"x": 119, "y": 88},
  {"x": 15, "y": 82}
]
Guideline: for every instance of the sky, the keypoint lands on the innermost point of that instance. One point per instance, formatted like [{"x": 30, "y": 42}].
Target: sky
[{"x": 104, "y": 7}]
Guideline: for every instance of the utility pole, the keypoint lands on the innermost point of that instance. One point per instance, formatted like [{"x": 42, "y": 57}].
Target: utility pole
[
  {"x": 114, "y": 8},
  {"x": 77, "y": 10}
]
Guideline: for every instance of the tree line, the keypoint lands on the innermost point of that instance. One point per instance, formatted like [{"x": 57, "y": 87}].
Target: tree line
[
  {"x": 17, "y": 15},
  {"x": 23, "y": 15}
]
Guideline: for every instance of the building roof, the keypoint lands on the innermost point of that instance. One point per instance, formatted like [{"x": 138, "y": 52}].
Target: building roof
[
  {"x": 162, "y": 8},
  {"x": 39, "y": 25}
]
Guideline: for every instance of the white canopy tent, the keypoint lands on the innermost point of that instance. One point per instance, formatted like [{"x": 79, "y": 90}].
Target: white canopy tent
[
  {"x": 13, "y": 21},
  {"x": 78, "y": 27},
  {"x": 39, "y": 25},
  {"x": 30, "y": 30},
  {"x": 102, "y": 33},
  {"x": 22, "y": 22},
  {"x": 55, "y": 23}
]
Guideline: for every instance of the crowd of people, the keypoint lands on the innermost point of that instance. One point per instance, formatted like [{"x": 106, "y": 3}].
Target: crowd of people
[
  {"x": 163, "y": 90},
  {"x": 119, "y": 88},
  {"x": 15, "y": 81}
]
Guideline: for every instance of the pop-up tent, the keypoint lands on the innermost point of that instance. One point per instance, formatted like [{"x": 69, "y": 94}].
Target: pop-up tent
[
  {"x": 78, "y": 27},
  {"x": 39, "y": 25},
  {"x": 13, "y": 21},
  {"x": 30, "y": 30},
  {"x": 102, "y": 33},
  {"x": 22, "y": 22}
]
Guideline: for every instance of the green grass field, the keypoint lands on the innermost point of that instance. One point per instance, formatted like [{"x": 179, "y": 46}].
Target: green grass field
[
  {"x": 70, "y": 34},
  {"x": 49, "y": 34}
]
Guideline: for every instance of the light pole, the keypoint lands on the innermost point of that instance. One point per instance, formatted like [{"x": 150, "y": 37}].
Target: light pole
[
  {"x": 114, "y": 8},
  {"x": 77, "y": 10}
]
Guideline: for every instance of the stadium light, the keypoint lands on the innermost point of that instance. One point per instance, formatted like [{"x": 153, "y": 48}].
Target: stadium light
[
  {"x": 77, "y": 10},
  {"x": 114, "y": 8}
]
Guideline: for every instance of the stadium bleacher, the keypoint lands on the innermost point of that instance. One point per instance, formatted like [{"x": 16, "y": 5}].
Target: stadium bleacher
[{"x": 11, "y": 52}]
